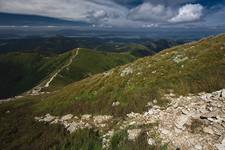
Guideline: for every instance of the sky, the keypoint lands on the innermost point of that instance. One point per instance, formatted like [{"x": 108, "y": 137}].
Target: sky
[{"x": 125, "y": 13}]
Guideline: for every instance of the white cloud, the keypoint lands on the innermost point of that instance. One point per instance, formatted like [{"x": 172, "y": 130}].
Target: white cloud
[
  {"x": 108, "y": 12},
  {"x": 151, "y": 13},
  {"x": 100, "y": 14},
  {"x": 159, "y": 13},
  {"x": 67, "y": 9},
  {"x": 188, "y": 13}
]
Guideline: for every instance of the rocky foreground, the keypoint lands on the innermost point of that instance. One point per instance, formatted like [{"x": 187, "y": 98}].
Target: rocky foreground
[{"x": 192, "y": 122}]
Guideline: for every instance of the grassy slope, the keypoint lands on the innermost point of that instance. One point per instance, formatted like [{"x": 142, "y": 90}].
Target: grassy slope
[
  {"x": 138, "y": 50},
  {"x": 88, "y": 63},
  {"x": 152, "y": 76},
  {"x": 22, "y": 71},
  {"x": 19, "y": 131},
  {"x": 204, "y": 71}
]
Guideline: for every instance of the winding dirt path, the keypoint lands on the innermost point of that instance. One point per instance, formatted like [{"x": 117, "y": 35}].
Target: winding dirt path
[
  {"x": 62, "y": 68},
  {"x": 37, "y": 90}
]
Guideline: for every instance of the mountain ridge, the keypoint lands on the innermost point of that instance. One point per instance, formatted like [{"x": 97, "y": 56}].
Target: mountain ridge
[
  {"x": 152, "y": 72},
  {"x": 36, "y": 68},
  {"x": 165, "y": 101}
]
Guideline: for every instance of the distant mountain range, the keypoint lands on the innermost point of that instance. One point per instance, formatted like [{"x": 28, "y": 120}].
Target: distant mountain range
[
  {"x": 8, "y": 19},
  {"x": 63, "y": 44},
  {"x": 28, "y": 62}
]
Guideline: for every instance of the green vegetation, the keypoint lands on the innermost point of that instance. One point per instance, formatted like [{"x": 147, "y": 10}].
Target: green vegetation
[
  {"x": 121, "y": 142},
  {"x": 151, "y": 77},
  {"x": 82, "y": 139},
  {"x": 23, "y": 71},
  {"x": 138, "y": 50},
  {"x": 122, "y": 47},
  {"x": 28, "y": 62},
  {"x": 19, "y": 130},
  {"x": 88, "y": 63},
  {"x": 59, "y": 44},
  {"x": 185, "y": 69}
]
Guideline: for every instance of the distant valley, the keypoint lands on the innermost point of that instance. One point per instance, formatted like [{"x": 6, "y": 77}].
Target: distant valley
[{"x": 31, "y": 61}]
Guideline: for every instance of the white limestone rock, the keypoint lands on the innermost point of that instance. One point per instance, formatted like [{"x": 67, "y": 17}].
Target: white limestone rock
[
  {"x": 75, "y": 126},
  {"x": 208, "y": 130},
  {"x": 151, "y": 141},
  {"x": 100, "y": 119},
  {"x": 173, "y": 122},
  {"x": 66, "y": 117},
  {"x": 149, "y": 104},
  {"x": 86, "y": 117},
  {"x": 114, "y": 104},
  {"x": 106, "y": 139},
  {"x": 126, "y": 72},
  {"x": 221, "y": 146},
  {"x": 155, "y": 101},
  {"x": 48, "y": 118},
  {"x": 133, "y": 134},
  {"x": 181, "y": 121},
  {"x": 198, "y": 147},
  {"x": 180, "y": 58},
  {"x": 223, "y": 93}
]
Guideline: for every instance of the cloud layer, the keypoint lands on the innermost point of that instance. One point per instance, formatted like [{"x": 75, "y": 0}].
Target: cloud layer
[
  {"x": 188, "y": 13},
  {"x": 112, "y": 12},
  {"x": 151, "y": 13}
]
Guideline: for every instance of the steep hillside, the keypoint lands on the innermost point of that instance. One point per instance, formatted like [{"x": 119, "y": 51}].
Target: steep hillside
[
  {"x": 87, "y": 63},
  {"x": 23, "y": 71},
  {"x": 189, "y": 68},
  {"x": 157, "y": 102}
]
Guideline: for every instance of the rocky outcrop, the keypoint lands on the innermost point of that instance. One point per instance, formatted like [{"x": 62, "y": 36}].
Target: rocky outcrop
[
  {"x": 114, "y": 104},
  {"x": 179, "y": 58},
  {"x": 106, "y": 139},
  {"x": 46, "y": 118},
  {"x": 191, "y": 122},
  {"x": 221, "y": 146},
  {"x": 133, "y": 134},
  {"x": 126, "y": 71},
  {"x": 194, "y": 122}
]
